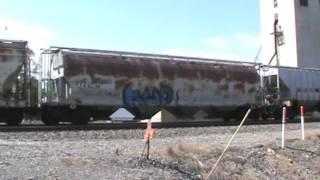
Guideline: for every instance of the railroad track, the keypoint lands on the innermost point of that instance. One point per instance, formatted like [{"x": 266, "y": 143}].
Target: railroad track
[{"x": 133, "y": 125}]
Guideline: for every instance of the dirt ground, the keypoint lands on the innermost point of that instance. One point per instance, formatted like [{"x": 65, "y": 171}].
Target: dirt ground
[
  {"x": 182, "y": 153},
  {"x": 298, "y": 160}
]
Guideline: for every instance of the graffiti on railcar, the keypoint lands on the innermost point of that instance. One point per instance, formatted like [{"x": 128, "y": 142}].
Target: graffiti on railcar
[
  {"x": 148, "y": 96},
  {"x": 196, "y": 94}
]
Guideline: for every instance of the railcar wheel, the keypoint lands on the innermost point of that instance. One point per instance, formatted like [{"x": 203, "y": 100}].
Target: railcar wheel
[
  {"x": 80, "y": 117},
  {"x": 51, "y": 117},
  {"x": 255, "y": 117},
  {"x": 14, "y": 118},
  {"x": 277, "y": 114},
  {"x": 292, "y": 112},
  {"x": 264, "y": 116}
]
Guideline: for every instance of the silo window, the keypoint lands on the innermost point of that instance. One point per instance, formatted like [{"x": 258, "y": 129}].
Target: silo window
[{"x": 303, "y": 2}]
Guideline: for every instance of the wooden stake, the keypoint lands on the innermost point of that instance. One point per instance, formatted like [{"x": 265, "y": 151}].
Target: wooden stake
[{"x": 227, "y": 147}]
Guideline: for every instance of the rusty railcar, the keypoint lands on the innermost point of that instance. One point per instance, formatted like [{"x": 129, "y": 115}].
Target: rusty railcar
[
  {"x": 14, "y": 79},
  {"x": 82, "y": 83}
]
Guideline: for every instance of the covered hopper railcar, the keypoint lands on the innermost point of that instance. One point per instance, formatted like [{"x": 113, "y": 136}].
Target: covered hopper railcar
[
  {"x": 79, "y": 84},
  {"x": 14, "y": 81},
  {"x": 291, "y": 87}
]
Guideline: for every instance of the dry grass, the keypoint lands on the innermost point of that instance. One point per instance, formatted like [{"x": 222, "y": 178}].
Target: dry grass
[{"x": 190, "y": 156}]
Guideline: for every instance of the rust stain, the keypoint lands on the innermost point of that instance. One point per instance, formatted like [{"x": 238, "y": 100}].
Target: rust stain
[
  {"x": 148, "y": 68},
  {"x": 16, "y": 52},
  {"x": 8, "y": 51},
  {"x": 156, "y": 69},
  {"x": 168, "y": 69},
  {"x": 223, "y": 87},
  {"x": 239, "y": 86},
  {"x": 244, "y": 74},
  {"x": 98, "y": 80},
  {"x": 120, "y": 83},
  {"x": 76, "y": 64}
]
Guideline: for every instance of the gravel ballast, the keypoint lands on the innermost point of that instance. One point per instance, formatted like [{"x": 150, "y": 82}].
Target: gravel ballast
[{"x": 182, "y": 153}]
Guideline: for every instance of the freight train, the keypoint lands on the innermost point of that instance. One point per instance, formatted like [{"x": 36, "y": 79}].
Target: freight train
[{"x": 78, "y": 85}]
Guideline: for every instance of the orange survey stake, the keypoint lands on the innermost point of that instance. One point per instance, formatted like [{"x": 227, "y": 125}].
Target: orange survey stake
[{"x": 150, "y": 132}]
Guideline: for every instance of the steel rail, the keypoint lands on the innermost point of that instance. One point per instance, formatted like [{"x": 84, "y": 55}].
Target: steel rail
[{"x": 134, "y": 125}]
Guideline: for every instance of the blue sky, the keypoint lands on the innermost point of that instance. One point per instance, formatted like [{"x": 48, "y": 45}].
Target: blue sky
[{"x": 227, "y": 29}]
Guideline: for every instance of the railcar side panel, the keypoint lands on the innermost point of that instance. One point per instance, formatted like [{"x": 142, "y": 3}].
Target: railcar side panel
[
  {"x": 12, "y": 60},
  {"x": 301, "y": 85},
  {"x": 112, "y": 80}
]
